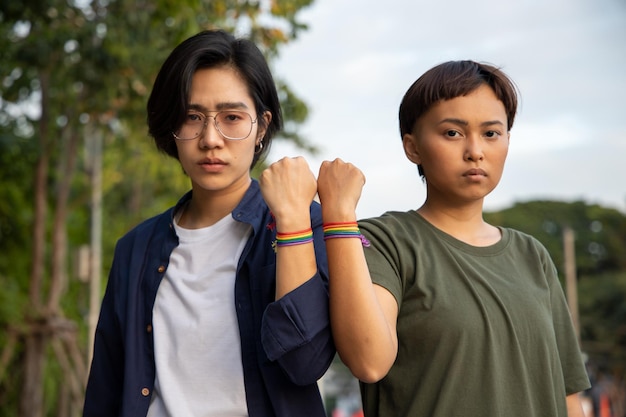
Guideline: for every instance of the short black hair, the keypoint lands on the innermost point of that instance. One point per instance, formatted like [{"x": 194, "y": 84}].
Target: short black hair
[{"x": 169, "y": 99}]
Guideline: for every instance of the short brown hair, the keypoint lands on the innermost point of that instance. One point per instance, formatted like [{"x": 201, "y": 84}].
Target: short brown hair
[{"x": 450, "y": 80}]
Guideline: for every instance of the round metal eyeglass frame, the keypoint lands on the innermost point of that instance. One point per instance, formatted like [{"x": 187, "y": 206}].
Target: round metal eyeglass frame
[{"x": 205, "y": 123}]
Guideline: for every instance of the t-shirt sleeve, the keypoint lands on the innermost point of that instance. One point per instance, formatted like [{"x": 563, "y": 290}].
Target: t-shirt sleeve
[
  {"x": 382, "y": 256},
  {"x": 572, "y": 362}
]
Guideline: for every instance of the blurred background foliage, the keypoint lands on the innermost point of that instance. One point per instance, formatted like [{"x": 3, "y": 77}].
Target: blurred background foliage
[
  {"x": 74, "y": 80},
  {"x": 74, "y": 77}
]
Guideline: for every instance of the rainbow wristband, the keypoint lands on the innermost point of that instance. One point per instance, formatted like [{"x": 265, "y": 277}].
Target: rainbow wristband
[
  {"x": 344, "y": 230},
  {"x": 347, "y": 229},
  {"x": 296, "y": 238}
]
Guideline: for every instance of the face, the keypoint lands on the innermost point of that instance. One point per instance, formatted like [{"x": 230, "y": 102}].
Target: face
[
  {"x": 462, "y": 145},
  {"x": 214, "y": 163}
]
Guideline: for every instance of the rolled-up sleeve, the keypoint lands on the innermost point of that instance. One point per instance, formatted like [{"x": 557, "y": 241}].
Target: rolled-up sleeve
[{"x": 296, "y": 332}]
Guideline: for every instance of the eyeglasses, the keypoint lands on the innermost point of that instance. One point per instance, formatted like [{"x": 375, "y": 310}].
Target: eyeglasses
[{"x": 232, "y": 124}]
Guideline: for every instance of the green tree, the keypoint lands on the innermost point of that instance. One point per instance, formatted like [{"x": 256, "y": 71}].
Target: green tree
[
  {"x": 75, "y": 77},
  {"x": 603, "y": 321}
]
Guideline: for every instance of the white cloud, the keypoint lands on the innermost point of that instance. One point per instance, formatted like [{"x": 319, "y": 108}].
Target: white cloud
[
  {"x": 560, "y": 132},
  {"x": 567, "y": 57}
]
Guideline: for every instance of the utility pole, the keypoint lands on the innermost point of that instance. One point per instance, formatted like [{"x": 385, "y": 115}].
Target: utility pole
[
  {"x": 94, "y": 146},
  {"x": 571, "y": 284}
]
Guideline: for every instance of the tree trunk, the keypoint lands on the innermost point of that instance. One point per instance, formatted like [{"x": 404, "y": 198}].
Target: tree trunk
[
  {"x": 95, "y": 146},
  {"x": 31, "y": 401},
  {"x": 41, "y": 194},
  {"x": 58, "y": 282},
  {"x": 571, "y": 281}
]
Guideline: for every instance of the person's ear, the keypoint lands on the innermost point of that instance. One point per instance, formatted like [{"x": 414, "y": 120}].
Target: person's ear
[
  {"x": 265, "y": 121},
  {"x": 411, "y": 149}
]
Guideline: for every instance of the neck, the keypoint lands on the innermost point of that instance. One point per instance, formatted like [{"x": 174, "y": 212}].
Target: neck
[
  {"x": 207, "y": 207},
  {"x": 464, "y": 223}
]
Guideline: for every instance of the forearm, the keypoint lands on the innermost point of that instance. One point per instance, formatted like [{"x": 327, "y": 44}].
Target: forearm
[
  {"x": 574, "y": 406},
  {"x": 295, "y": 264},
  {"x": 288, "y": 187},
  {"x": 363, "y": 316},
  {"x": 363, "y": 327}
]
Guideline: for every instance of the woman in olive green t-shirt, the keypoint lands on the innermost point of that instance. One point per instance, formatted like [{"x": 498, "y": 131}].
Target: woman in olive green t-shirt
[{"x": 437, "y": 312}]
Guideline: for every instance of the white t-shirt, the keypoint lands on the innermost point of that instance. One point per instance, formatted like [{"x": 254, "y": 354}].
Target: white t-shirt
[{"x": 196, "y": 336}]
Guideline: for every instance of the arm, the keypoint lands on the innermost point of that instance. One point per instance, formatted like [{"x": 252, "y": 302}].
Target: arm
[
  {"x": 574, "y": 406},
  {"x": 363, "y": 315},
  {"x": 296, "y": 328},
  {"x": 288, "y": 187}
]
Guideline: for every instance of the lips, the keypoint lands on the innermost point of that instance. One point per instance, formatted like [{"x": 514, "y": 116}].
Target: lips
[
  {"x": 213, "y": 165},
  {"x": 475, "y": 172},
  {"x": 211, "y": 161}
]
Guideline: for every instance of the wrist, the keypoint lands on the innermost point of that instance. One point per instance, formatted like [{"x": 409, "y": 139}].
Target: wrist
[
  {"x": 293, "y": 225},
  {"x": 335, "y": 217},
  {"x": 292, "y": 221},
  {"x": 338, "y": 212},
  {"x": 298, "y": 237},
  {"x": 349, "y": 229}
]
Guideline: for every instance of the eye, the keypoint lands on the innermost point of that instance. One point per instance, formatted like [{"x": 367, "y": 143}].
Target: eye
[
  {"x": 194, "y": 117},
  {"x": 231, "y": 116},
  {"x": 492, "y": 134},
  {"x": 452, "y": 133}
]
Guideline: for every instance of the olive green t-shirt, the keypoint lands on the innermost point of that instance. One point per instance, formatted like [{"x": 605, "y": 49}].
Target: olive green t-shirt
[{"x": 482, "y": 331}]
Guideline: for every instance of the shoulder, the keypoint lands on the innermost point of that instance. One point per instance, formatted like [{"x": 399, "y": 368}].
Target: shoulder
[
  {"x": 394, "y": 235},
  {"x": 527, "y": 248},
  {"x": 523, "y": 241},
  {"x": 147, "y": 228},
  {"x": 390, "y": 220},
  {"x": 393, "y": 225}
]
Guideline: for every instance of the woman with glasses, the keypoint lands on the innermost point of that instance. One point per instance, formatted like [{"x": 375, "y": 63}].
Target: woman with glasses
[
  {"x": 437, "y": 312},
  {"x": 218, "y": 306}
]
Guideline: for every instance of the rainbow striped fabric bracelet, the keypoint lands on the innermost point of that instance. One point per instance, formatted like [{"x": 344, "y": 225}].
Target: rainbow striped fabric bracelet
[
  {"x": 295, "y": 238},
  {"x": 342, "y": 230}
]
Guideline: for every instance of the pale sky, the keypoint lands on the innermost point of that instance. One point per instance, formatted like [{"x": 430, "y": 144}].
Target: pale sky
[{"x": 568, "y": 58}]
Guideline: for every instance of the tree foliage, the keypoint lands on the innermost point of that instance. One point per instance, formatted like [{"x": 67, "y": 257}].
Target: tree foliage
[
  {"x": 74, "y": 76},
  {"x": 603, "y": 321}
]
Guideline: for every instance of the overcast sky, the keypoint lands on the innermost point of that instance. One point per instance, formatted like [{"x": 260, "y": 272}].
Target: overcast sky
[{"x": 568, "y": 58}]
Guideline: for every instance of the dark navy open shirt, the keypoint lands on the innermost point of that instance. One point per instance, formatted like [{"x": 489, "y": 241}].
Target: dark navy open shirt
[{"x": 286, "y": 345}]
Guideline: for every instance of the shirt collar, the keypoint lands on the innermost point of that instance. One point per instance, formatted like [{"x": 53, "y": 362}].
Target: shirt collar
[{"x": 246, "y": 211}]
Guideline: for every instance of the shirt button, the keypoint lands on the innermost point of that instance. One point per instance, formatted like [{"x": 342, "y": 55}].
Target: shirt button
[
  {"x": 149, "y": 328},
  {"x": 145, "y": 392},
  {"x": 161, "y": 269}
]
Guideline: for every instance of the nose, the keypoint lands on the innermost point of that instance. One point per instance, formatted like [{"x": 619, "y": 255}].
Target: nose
[
  {"x": 210, "y": 137},
  {"x": 474, "y": 150}
]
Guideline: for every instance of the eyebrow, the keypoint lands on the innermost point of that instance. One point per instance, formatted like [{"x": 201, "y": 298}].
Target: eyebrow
[
  {"x": 462, "y": 122},
  {"x": 227, "y": 105}
]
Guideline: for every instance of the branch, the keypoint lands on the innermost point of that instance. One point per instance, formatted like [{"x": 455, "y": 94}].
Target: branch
[{"x": 7, "y": 353}]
